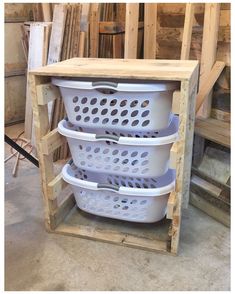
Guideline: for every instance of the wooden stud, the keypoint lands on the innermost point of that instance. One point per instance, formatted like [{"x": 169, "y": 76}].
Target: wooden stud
[
  {"x": 51, "y": 141},
  {"x": 56, "y": 186},
  {"x": 94, "y": 30},
  {"x": 176, "y": 102},
  {"x": 150, "y": 30},
  {"x": 131, "y": 30},
  {"x": 187, "y": 34},
  {"x": 174, "y": 155},
  {"x": 171, "y": 205},
  {"x": 46, "y": 93}
]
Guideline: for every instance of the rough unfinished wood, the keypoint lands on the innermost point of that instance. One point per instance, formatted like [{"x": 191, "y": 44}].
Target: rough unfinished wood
[
  {"x": 187, "y": 34},
  {"x": 46, "y": 93},
  {"x": 150, "y": 30},
  {"x": 171, "y": 205},
  {"x": 51, "y": 141},
  {"x": 56, "y": 186},
  {"x": 94, "y": 30},
  {"x": 131, "y": 30}
]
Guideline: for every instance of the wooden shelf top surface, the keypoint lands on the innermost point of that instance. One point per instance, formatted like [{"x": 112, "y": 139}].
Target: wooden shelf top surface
[
  {"x": 151, "y": 69},
  {"x": 213, "y": 130}
]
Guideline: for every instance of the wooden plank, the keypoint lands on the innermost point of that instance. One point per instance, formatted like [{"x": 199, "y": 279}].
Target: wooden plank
[
  {"x": 174, "y": 155},
  {"x": 176, "y": 102},
  {"x": 187, "y": 34},
  {"x": 94, "y": 30},
  {"x": 51, "y": 141},
  {"x": 35, "y": 60},
  {"x": 56, "y": 186},
  {"x": 208, "y": 84},
  {"x": 150, "y": 30},
  {"x": 57, "y": 33},
  {"x": 221, "y": 115},
  {"x": 118, "y": 68},
  {"x": 131, "y": 30},
  {"x": 115, "y": 27},
  {"x": 209, "y": 48},
  {"x": 213, "y": 130},
  {"x": 210, "y": 209},
  {"x": 46, "y": 93},
  {"x": 171, "y": 205},
  {"x": 81, "y": 49},
  {"x": 46, "y": 12}
]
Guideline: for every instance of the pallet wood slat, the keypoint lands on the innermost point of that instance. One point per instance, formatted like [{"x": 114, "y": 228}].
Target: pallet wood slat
[
  {"x": 46, "y": 93},
  {"x": 176, "y": 102},
  {"x": 131, "y": 30},
  {"x": 187, "y": 33},
  {"x": 94, "y": 30},
  {"x": 186, "y": 73},
  {"x": 150, "y": 30},
  {"x": 208, "y": 84},
  {"x": 209, "y": 48},
  {"x": 171, "y": 205}
]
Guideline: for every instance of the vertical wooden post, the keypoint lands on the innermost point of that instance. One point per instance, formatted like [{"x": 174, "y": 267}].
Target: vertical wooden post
[
  {"x": 209, "y": 49},
  {"x": 94, "y": 30},
  {"x": 131, "y": 30},
  {"x": 150, "y": 30},
  {"x": 187, "y": 34}
]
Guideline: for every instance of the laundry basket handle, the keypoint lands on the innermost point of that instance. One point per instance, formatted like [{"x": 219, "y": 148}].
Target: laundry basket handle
[
  {"x": 107, "y": 137},
  {"x": 101, "y": 84},
  {"x": 108, "y": 186}
]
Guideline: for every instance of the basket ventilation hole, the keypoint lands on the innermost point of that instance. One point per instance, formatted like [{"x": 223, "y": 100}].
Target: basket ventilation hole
[
  {"x": 106, "y": 151},
  {"x": 134, "y": 103},
  {"x": 113, "y": 102},
  {"x": 115, "y": 152},
  {"x": 125, "y": 161},
  {"x": 145, "y": 103},
  {"x": 75, "y": 99},
  {"x": 94, "y": 110},
  {"x": 89, "y": 156},
  {"x": 144, "y": 154},
  {"x": 116, "y": 206},
  {"x": 105, "y": 120},
  {"x": 124, "y": 200},
  {"x": 143, "y": 202},
  {"x": 88, "y": 148},
  {"x": 83, "y": 163},
  {"x": 80, "y": 147},
  {"x": 114, "y": 112},
  {"x": 115, "y": 121},
  {"x": 134, "y": 162},
  {"x": 93, "y": 101},
  {"x": 76, "y": 109},
  {"x": 95, "y": 120},
  {"x": 85, "y": 110},
  {"x": 133, "y": 201},
  {"x": 84, "y": 100},
  {"x": 104, "y": 111},
  {"x": 125, "y": 207},
  {"x": 116, "y": 160},
  {"x": 78, "y": 117},
  {"x": 145, "y": 162},
  {"x": 135, "y": 123},
  {"x": 123, "y": 103},
  {"x": 124, "y": 153},
  {"x": 145, "y": 113},
  {"x": 103, "y": 101},
  {"x": 87, "y": 118},
  {"x": 107, "y": 197},
  {"x": 125, "y": 122},
  {"x": 115, "y": 199},
  {"x": 116, "y": 168},
  {"x": 144, "y": 171},
  {"x": 135, "y": 170},
  {"x": 106, "y": 159},
  {"x": 124, "y": 112},
  {"x": 145, "y": 123},
  {"x": 134, "y": 113},
  {"x": 134, "y": 154},
  {"x": 130, "y": 184},
  {"x": 97, "y": 150}
]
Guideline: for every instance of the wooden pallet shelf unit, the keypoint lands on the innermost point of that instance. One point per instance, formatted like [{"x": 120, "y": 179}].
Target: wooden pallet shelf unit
[{"x": 62, "y": 216}]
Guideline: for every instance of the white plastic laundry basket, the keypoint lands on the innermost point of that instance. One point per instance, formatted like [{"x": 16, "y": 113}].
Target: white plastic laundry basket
[
  {"x": 122, "y": 106},
  {"x": 131, "y": 154},
  {"x": 126, "y": 198}
]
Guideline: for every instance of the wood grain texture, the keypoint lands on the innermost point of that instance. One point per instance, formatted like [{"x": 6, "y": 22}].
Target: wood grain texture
[
  {"x": 187, "y": 33},
  {"x": 131, "y": 30},
  {"x": 150, "y": 30}
]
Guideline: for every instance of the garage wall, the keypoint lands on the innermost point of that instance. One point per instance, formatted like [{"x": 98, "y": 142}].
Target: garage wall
[{"x": 15, "y": 62}]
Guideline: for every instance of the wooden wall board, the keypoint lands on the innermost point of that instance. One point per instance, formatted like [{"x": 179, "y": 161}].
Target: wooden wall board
[
  {"x": 94, "y": 30},
  {"x": 18, "y": 12},
  {"x": 150, "y": 30},
  {"x": 131, "y": 30}
]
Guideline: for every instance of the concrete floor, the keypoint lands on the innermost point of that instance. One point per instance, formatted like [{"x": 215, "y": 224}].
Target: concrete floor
[{"x": 36, "y": 260}]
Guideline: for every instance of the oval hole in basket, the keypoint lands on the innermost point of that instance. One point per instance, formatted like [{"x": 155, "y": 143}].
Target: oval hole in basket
[
  {"x": 97, "y": 149},
  {"x": 103, "y": 101},
  {"x": 114, "y": 112},
  {"x": 116, "y": 168},
  {"x": 143, "y": 202},
  {"x": 134, "y": 113},
  {"x": 133, "y": 201},
  {"x": 145, "y": 113},
  {"x": 124, "y": 112},
  {"x": 87, "y": 118},
  {"x": 125, "y": 122},
  {"x": 124, "y": 153},
  {"x": 106, "y": 151},
  {"x": 125, "y": 169},
  {"x": 116, "y": 206},
  {"x": 135, "y": 123},
  {"x": 145, "y": 103},
  {"x": 115, "y": 199},
  {"x": 115, "y": 152},
  {"x": 144, "y": 154},
  {"x": 134, "y": 103},
  {"x": 88, "y": 148},
  {"x": 95, "y": 120},
  {"x": 135, "y": 170},
  {"x": 116, "y": 160},
  {"x": 144, "y": 171},
  {"x": 107, "y": 159},
  {"x": 135, "y": 162},
  {"x": 134, "y": 154},
  {"x": 130, "y": 184},
  {"x": 78, "y": 117},
  {"x": 145, "y": 123},
  {"x": 125, "y": 161},
  {"x": 125, "y": 200},
  {"x": 104, "y": 111},
  {"x": 125, "y": 207},
  {"x": 105, "y": 121},
  {"x": 145, "y": 162},
  {"x": 93, "y": 101},
  {"x": 115, "y": 121},
  {"x": 84, "y": 100},
  {"x": 75, "y": 99},
  {"x": 85, "y": 110},
  {"x": 123, "y": 103},
  {"x": 113, "y": 102},
  {"x": 76, "y": 109}
]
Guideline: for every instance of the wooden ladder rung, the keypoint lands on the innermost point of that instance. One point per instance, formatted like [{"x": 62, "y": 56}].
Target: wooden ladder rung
[{"x": 51, "y": 141}]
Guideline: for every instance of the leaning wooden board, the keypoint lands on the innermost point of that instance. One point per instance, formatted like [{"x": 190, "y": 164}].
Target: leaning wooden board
[{"x": 62, "y": 217}]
